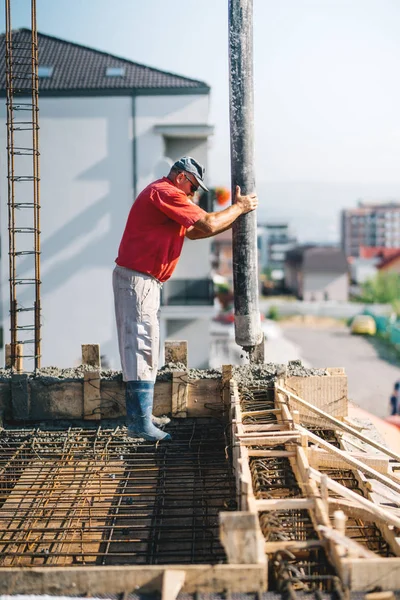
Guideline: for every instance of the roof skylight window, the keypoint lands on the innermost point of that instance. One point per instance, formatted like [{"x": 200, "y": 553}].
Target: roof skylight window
[
  {"x": 45, "y": 71},
  {"x": 115, "y": 71}
]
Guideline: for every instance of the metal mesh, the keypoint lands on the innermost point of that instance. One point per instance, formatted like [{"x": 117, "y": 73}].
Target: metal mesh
[{"x": 84, "y": 496}]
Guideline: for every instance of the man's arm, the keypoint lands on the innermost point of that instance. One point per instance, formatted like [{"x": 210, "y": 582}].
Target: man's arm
[{"x": 217, "y": 222}]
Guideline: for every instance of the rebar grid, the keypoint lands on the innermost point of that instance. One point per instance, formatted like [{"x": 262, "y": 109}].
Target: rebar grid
[
  {"x": 86, "y": 497},
  {"x": 254, "y": 399},
  {"x": 294, "y": 577},
  {"x": 285, "y": 525},
  {"x": 329, "y": 435},
  {"x": 273, "y": 478},
  {"x": 22, "y": 99},
  {"x": 363, "y": 532}
]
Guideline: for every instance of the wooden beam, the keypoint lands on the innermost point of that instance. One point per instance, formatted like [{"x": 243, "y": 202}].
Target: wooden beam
[
  {"x": 341, "y": 425},
  {"x": 176, "y": 352},
  {"x": 226, "y": 385},
  {"x": 17, "y": 361},
  {"x": 268, "y": 441},
  {"x": 322, "y": 458},
  {"x": 354, "y": 547},
  {"x": 241, "y": 536},
  {"x": 368, "y": 574},
  {"x": 172, "y": 583},
  {"x": 292, "y": 545},
  {"x": 285, "y": 504},
  {"x": 338, "y": 488},
  {"x": 91, "y": 355},
  {"x": 270, "y": 453},
  {"x": 180, "y": 391},
  {"x": 355, "y": 511},
  {"x": 354, "y": 462},
  {"x": 91, "y": 395},
  {"x": 91, "y": 581}
]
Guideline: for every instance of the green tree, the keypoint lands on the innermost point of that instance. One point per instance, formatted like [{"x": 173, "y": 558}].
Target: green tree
[{"x": 383, "y": 288}]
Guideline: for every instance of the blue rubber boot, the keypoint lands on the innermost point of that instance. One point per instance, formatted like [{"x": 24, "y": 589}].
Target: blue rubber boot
[{"x": 139, "y": 406}]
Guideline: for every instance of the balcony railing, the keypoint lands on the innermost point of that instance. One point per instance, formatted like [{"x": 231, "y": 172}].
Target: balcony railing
[{"x": 187, "y": 292}]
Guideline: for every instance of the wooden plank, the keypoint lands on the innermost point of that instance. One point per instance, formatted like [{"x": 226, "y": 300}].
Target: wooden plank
[
  {"x": 205, "y": 398},
  {"x": 247, "y": 499},
  {"x": 91, "y": 395},
  {"x": 342, "y": 541},
  {"x": 176, "y": 351},
  {"x": 319, "y": 458},
  {"x": 17, "y": 361},
  {"x": 336, "y": 371},
  {"x": 292, "y": 545},
  {"x": 263, "y": 427},
  {"x": 270, "y": 453},
  {"x": 267, "y": 441},
  {"x": 241, "y": 536},
  {"x": 353, "y": 461},
  {"x": 389, "y": 595},
  {"x": 91, "y": 355},
  {"x": 271, "y": 434},
  {"x": 286, "y": 416},
  {"x": 172, "y": 582},
  {"x": 284, "y": 504},
  {"x": 226, "y": 385},
  {"x": 367, "y": 574},
  {"x": 141, "y": 578},
  {"x": 341, "y": 425},
  {"x": 354, "y": 510},
  {"x": 7, "y": 356},
  {"x": 350, "y": 495},
  {"x": 328, "y": 393},
  {"x": 180, "y": 390}
]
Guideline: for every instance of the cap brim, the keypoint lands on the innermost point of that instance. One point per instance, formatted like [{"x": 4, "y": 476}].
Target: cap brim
[{"x": 201, "y": 184}]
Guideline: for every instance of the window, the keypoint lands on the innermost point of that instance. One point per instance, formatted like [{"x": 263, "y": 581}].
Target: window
[
  {"x": 115, "y": 71},
  {"x": 45, "y": 71}
]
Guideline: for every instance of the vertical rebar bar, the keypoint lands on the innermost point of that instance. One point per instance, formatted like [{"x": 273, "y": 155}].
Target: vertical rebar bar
[{"x": 23, "y": 214}]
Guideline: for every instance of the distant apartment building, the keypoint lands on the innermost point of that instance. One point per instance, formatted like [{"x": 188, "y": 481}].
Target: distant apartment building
[
  {"x": 274, "y": 240},
  {"x": 316, "y": 273},
  {"x": 370, "y": 225}
]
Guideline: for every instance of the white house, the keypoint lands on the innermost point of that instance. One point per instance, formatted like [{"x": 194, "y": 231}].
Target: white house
[
  {"x": 316, "y": 273},
  {"x": 108, "y": 126}
]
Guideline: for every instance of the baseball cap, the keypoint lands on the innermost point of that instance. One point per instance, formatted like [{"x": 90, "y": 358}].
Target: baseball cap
[{"x": 188, "y": 164}]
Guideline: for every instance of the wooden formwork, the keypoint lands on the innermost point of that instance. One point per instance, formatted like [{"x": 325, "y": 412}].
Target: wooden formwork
[
  {"x": 329, "y": 503},
  {"x": 239, "y": 530},
  {"x": 300, "y": 404}
]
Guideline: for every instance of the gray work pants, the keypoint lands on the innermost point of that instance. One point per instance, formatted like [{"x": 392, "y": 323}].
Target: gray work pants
[{"x": 137, "y": 311}]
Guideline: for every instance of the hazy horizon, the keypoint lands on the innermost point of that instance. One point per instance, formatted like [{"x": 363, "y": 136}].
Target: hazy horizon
[{"x": 327, "y": 95}]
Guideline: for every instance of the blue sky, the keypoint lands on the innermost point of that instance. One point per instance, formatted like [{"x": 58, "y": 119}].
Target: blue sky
[{"x": 327, "y": 91}]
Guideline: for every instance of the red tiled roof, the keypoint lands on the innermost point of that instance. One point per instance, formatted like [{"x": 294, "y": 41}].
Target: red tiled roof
[
  {"x": 377, "y": 251},
  {"x": 387, "y": 261}
]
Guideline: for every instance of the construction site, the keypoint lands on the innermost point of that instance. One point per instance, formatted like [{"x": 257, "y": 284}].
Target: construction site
[{"x": 272, "y": 486}]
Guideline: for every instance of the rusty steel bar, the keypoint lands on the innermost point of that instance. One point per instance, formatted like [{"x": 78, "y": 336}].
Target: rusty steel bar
[
  {"x": 94, "y": 496},
  {"x": 23, "y": 215}
]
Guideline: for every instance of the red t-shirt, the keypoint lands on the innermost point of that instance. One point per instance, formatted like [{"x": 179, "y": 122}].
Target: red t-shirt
[{"x": 156, "y": 226}]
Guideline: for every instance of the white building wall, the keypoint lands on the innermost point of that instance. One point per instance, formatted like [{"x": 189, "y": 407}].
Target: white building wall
[
  {"x": 325, "y": 286},
  {"x": 87, "y": 181},
  {"x": 150, "y": 148},
  {"x": 86, "y": 191}
]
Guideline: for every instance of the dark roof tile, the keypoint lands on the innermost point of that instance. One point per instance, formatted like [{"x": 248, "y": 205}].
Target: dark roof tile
[
  {"x": 79, "y": 68},
  {"x": 318, "y": 259}
]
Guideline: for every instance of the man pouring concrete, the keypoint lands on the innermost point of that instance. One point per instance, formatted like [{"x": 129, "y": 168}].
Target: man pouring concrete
[{"x": 161, "y": 217}]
